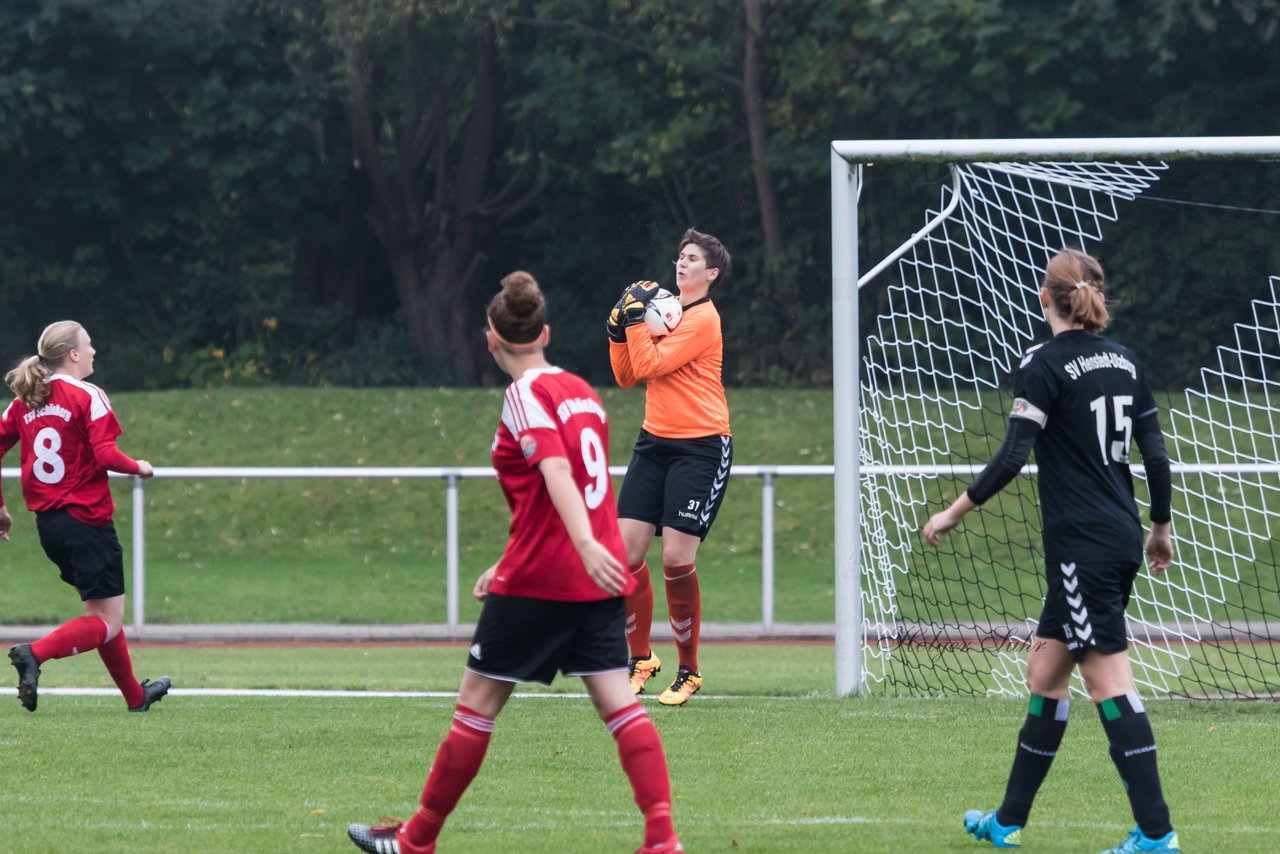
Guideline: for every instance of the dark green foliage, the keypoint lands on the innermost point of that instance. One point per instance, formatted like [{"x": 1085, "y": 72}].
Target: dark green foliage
[
  {"x": 190, "y": 179},
  {"x": 156, "y": 159}
]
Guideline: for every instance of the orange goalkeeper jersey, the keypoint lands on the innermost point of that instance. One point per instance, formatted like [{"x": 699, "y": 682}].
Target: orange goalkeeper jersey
[{"x": 684, "y": 395}]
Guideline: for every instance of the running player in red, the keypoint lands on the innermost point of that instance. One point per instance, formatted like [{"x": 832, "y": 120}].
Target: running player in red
[
  {"x": 679, "y": 468},
  {"x": 67, "y": 434},
  {"x": 554, "y": 600}
]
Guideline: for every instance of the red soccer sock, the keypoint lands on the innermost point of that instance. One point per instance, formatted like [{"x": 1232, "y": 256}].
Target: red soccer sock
[
  {"x": 456, "y": 765},
  {"x": 640, "y": 613},
  {"x": 684, "y": 605},
  {"x": 115, "y": 655},
  {"x": 645, "y": 764},
  {"x": 71, "y": 638}
]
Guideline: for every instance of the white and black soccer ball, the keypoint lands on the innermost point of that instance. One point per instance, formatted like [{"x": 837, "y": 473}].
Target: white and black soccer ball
[{"x": 663, "y": 313}]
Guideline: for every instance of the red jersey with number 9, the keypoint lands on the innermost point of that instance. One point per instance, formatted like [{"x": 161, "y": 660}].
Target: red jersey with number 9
[
  {"x": 67, "y": 447},
  {"x": 549, "y": 412}
]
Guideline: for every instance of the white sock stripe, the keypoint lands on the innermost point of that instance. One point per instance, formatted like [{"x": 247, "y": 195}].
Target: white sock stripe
[
  {"x": 476, "y": 722},
  {"x": 616, "y": 724},
  {"x": 678, "y": 577},
  {"x": 1060, "y": 713},
  {"x": 1136, "y": 702}
]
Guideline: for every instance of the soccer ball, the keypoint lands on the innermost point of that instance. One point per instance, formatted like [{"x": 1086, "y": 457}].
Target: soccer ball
[{"x": 663, "y": 313}]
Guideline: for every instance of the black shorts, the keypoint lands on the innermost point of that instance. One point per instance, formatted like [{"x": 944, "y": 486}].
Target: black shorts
[
  {"x": 89, "y": 557},
  {"x": 676, "y": 483},
  {"x": 519, "y": 639},
  {"x": 1084, "y": 606}
]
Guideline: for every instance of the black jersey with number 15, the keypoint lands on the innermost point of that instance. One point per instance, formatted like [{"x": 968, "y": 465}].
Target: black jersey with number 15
[{"x": 1087, "y": 393}]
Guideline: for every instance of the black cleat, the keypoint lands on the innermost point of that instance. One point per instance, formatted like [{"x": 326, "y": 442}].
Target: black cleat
[
  {"x": 28, "y": 674},
  {"x": 152, "y": 692},
  {"x": 385, "y": 839}
]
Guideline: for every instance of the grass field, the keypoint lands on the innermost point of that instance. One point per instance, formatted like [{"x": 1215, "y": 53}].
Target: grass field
[{"x": 764, "y": 761}]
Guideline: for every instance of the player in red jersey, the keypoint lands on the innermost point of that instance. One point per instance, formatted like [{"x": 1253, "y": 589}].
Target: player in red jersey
[
  {"x": 554, "y": 601},
  {"x": 67, "y": 434}
]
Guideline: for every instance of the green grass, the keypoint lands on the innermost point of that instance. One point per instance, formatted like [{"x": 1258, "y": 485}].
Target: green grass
[{"x": 767, "y": 761}]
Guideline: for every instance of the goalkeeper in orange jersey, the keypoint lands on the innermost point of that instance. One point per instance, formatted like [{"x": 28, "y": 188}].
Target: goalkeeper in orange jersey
[{"x": 679, "y": 468}]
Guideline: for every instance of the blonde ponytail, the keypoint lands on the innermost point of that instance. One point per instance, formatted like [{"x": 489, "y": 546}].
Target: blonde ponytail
[
  {"x": 1075, "y": 280},
  {"x": 29, "y": 379}
]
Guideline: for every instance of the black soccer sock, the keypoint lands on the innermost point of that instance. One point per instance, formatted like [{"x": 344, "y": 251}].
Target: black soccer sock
[
  {"x": 1038, "y": 742},
  {"x": 1133, "y": 750}
]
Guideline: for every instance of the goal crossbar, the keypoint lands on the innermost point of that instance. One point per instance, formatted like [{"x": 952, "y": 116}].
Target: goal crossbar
[{"x": 1078, "y": 148}]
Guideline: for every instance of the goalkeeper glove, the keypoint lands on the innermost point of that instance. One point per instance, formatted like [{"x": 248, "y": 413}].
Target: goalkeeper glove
[
  {"x": 616, "y": 325},
  {"x": 635, "y": 299}
]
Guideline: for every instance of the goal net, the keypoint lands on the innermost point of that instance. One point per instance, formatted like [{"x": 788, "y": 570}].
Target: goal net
[{"x": 1186, "y": 234}]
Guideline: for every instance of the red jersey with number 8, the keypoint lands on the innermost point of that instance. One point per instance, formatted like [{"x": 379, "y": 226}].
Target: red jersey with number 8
[
  {"x": 67, "y": 447},
  {"x": 549, "y": 412}
]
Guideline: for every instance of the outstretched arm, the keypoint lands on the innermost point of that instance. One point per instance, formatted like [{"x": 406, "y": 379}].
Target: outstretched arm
[
  {"x": 944, "y": 520},
  {"x": 111, "y": 458},
  {"x": 1003, "y": 467}
]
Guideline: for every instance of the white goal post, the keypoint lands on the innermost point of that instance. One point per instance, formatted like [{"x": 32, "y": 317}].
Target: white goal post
[{"x": 1094, "y": 174}]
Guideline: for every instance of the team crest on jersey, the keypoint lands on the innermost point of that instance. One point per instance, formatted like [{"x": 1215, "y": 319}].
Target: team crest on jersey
[
  {"x": 1027, "y": 356},
  {"x": 528, "y": 445}
]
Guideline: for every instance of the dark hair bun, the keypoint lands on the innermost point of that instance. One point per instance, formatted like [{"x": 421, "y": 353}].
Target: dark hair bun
[{"x": 519, "y": 311}]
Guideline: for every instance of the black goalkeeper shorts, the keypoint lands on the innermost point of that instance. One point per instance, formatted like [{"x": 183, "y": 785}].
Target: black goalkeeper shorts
[{"x": 676, "y": 483}]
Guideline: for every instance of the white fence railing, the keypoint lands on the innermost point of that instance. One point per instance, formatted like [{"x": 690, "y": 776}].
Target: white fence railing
[{"x": 451, "y": 477}]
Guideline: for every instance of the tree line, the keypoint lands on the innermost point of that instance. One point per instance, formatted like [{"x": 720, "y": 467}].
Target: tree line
[{"x": 327, "y": 191}]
